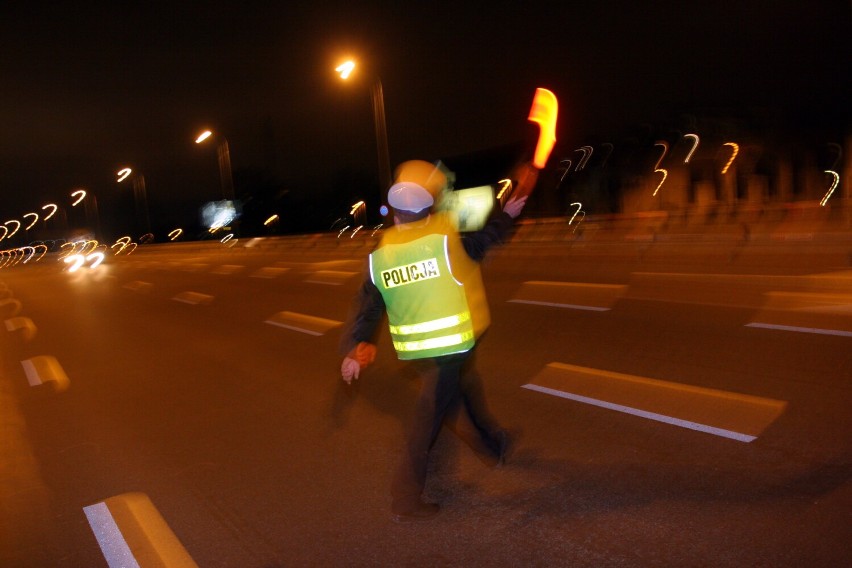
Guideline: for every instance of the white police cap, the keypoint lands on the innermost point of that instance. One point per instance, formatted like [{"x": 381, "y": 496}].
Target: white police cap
[{"x": 409, "y": 196}]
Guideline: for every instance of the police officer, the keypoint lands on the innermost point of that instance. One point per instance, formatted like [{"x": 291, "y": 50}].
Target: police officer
[{"x": 425, "y": 275}]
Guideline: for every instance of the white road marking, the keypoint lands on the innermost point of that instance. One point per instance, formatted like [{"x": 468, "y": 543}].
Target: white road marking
[
  {"x": 824, "y": 313},
  {"x": 33, "y": 377},
  {"x": 557, "y": 305},
  {"x": 132, "y": 532},
  {"x": 227, "y": 269},
  {"x": 45, "y": 368},
  {"x": 331, "y": 277},
  {"x": 138, "y": 286},
  {"x": 721, "y": 413},
  {"x": 16, "y": 305},
  {"x": 571, "y": 295},
  {"x": 193, "y": 298},
  {"x": 190, "y": 267},
  {"x": 801, "y": 329},
  {"x": 303, "y": 323},
  {"x": 644, "y": 414},
  {"x": 115, "y": 549},
  {"x": 269, "y": 272},
  {"x": 22, "y": 323}
]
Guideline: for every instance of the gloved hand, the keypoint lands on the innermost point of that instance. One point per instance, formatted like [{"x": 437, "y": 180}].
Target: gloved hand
[
  {"x": 349, "y": 369},
  {"x": 365, "y": 353},
  {"x": 361, "y": 356},
  {"x": 514, "y": 206}
]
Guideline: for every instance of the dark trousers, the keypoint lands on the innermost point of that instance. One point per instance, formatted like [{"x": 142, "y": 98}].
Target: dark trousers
[{"x": 451, "y": 392}]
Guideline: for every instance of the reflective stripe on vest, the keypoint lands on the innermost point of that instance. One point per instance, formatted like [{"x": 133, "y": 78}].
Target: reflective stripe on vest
[
  {"x": 427, "y": 326},
  {"x": 434, "y": 342}
]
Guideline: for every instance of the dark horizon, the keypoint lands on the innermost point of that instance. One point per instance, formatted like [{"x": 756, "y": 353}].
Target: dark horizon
[{"x": 91, "y": 89}]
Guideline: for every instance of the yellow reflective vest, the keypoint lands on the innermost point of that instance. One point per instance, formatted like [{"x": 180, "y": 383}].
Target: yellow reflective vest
[{"x": 427, "y": 308}]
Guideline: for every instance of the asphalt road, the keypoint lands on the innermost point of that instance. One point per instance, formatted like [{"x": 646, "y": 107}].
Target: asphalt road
[{"x": 666, "y": 415}]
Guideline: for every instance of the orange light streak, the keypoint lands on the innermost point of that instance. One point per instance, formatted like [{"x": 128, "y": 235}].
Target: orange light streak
[
  {"x": 736, "y": 148},
  {"x": 665, "y": 175}
]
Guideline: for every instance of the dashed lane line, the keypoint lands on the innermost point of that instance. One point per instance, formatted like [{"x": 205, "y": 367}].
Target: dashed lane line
[
  {"x": 727, "y": 414},
  {"x": 560, "y": 305},
  {"x": 131, "y": 533},
  {"x": 269, "y": 272},
  {"x": 303, "y": 323},
  {"x": 44, "y": 369},
  {"x": 24, "y": 324},
  {"x": 331, "y": 277},
  {"x": 194, "y": 298},
  {"x": 109, "y": 537},
  {"x": 571, "y": 295},
  {"x": 816, "y": 330},
  {"x": 806, "y": 312},
  {"x": 138, "y": 286},
  {"x": 189, "y": 267},
  {"x": 227, "y": 269}
]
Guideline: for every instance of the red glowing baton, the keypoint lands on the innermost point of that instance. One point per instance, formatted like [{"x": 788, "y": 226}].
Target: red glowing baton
[{"x": 544, "y": 110}]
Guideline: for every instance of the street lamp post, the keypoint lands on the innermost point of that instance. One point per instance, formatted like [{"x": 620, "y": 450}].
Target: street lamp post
[
  {"x": 52, "y": 208},
  {"x": 140, "y": 196},
  {"x": 223, "y": 155},
  {"x": 90, "y": 208},
  {"x": 380, "y": 123},
  {"x": 378, "y": 97}
]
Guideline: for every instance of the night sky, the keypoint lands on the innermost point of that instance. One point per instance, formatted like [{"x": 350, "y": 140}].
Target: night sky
[{"x": 90, "y": 87}]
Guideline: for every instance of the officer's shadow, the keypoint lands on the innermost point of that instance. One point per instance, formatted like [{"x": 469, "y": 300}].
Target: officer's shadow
[{"x": 533, "y": 484}]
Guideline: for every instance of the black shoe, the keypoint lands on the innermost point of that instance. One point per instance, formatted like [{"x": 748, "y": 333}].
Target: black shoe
[
  {"x": 420, "y": 512},
  {"x": 504, "y": 447}
]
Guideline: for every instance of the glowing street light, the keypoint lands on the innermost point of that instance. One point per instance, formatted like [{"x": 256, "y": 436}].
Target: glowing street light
[
  {"x": 52, "y": 209},
  {"x": 15, "y": 230},
  {"x": 223, "y": 156},
  {"x": 79, "y": 196},
  {"x": 358, "y": 211},
  {"x": 345, "y": 70},
  {"x": 52, "y": 212},
  {"x": 34, "y": 221}
]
